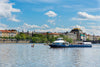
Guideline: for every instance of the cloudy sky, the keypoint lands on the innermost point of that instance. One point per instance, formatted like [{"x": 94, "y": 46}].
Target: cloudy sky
[{"x": 50, "y": 15}]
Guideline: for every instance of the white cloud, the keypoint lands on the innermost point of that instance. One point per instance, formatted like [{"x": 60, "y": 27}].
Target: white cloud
[
  {"x": 3, "y": 26},
  {"x": 51, "y": 14},
  {"x": 6, "y": 10},
  {"x": 57, "y": 29},
  {"x": 86, "y": 16},
  {"x": 30, "y": 26},
  {"x": 92, "y": 9},
  {"x": 13, "y": 18},
  {"x": 4, "y": 0},
  {"x": 78, "y": 26},
  {"x": 41, "y": 1},
  {"x": 91, "y": 30},
  {"x": 44, "y": 26},
  {"x": 82, "y": 28},
  {"x": 95, "y": 27},
  {"x": 94, "y": 30},
  {"x": 26, "y": 27},
  {"x": 91, "y": 23},
  {"x": 51, "y": 22}
]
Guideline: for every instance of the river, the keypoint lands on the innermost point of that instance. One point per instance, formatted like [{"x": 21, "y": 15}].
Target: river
[{"x": 23, "y": 55}]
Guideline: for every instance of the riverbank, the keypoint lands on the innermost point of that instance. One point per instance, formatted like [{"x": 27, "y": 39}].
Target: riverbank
[
  {"x": 29, "y": 41},
  {"x": 14, "y": 41}
]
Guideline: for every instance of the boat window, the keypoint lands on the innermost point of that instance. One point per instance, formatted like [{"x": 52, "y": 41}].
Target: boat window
[{"x": 57, "y": 43}]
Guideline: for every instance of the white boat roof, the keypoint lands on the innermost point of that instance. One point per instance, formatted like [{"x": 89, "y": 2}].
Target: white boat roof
[
  {"x": 59, "y": 41},
  {"x": 87, "y": 42}
]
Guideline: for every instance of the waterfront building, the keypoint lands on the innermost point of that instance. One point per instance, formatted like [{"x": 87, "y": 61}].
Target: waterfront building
[
  {"x": 83, "y": 36},
  {"x": 97, "y": 37},
  {"x": 78, "y": 32},
  {"x": 92, "y": 37},
  {"x": 8, "y": 33},
  {"x": 71, "y": 35},
  {"x": 52, "y": 34},
  {"x": 13, "y": 33}
]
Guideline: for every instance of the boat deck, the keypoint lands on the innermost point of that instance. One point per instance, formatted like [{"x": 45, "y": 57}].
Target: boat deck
[{"x": 71, "y": 46}]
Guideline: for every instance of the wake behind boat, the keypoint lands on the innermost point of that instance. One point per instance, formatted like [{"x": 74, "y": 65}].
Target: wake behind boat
[{"x": 61, "y": 43}]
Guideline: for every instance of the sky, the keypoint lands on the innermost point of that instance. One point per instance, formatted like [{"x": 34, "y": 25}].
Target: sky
[{"x": 50, "y": 15}]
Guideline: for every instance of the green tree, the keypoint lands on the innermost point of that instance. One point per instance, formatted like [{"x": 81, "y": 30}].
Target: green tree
[
  {"x": 44, "y": 40},
  {"x": 51, "y": 39},
  {"x": 22, "y": 36},
  {"x": 68, "y": 39},
  {"x": 87, "y": 39},
  {"x": 36, "y": 39}
]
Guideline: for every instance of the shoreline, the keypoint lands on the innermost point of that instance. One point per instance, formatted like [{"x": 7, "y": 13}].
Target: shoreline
[
  {"x": 29, "y": 41},
  {"x": 15, "y": 41}
]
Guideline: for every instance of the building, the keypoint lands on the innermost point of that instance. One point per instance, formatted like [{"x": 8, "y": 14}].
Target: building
[
  {"x": 8, "y": 33},
  {"x": 92, "y": 37},
  {"x": 52, "y": 34},
  {"x": 13, "y": 33},
  {"x": 97, "y": 37},
  {"x": 78, "y": 32},
  {"x": 83, "y": 36},
  {"x": 71, "y": 35}
]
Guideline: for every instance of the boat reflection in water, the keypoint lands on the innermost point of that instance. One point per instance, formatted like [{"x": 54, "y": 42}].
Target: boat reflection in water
[{"x": 61, "y": 43}]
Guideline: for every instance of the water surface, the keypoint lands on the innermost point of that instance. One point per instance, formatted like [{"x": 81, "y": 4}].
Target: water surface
[{"x": 23, "y": 55}]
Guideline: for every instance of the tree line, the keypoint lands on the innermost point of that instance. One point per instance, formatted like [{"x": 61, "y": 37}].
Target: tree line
[{"x": 38, "y": 38}]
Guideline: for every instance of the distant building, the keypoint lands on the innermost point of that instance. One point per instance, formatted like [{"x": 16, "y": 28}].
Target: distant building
[
  {"x": 78, "y": 32},
  {"x": 92, "y": 37},
  {"x": 97, "y": 37},
  {"x": 83, "y": 36},
  {"x": 54, "y": 34},
  {"x": 13, "y": 33},
  {"x": 8, "y": 33},
  {"x": 71, "y": 35}
]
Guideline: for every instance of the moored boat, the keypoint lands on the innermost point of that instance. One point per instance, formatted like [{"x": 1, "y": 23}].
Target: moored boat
[{"x": 61, "y": 43}]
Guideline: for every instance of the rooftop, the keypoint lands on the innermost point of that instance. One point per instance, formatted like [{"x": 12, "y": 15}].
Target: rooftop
[
  {"x": 7, "y": 31},
  {"x": 76, "y": 29},
  {"x": 52, "y": 33}
]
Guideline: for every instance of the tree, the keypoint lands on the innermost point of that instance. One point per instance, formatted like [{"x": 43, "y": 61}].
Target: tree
[
  {"x": 87, "y": 39},
  {"x": 44, "y": 40},
  {"x": 22, "y": 36},
  {"x": 36, "y": 39},
  {"x": 51, "y": 39}
]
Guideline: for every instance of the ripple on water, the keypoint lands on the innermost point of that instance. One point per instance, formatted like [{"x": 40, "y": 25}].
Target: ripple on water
[{"x": 23, "y": 55}]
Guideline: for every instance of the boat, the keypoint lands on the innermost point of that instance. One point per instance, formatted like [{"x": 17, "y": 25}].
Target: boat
[
  {"x": 61, "y": 43},
  {"x": 32, "y": 45}
]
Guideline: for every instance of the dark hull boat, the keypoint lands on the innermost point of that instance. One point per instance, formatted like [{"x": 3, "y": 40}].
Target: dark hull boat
[
  {"x": 70, "y": 46},
  {"x": 61, "y": 43}
]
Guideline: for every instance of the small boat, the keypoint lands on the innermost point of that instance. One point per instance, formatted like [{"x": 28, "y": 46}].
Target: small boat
[
  {"x": 32, "y": 45},
  {"x": 61, "y": 43}
]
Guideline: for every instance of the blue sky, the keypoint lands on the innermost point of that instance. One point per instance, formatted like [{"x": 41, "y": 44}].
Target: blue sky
[{"x": 50, "y": 15}]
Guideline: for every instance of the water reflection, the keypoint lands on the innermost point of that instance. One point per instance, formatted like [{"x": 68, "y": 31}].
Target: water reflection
[{"x": 19, "y": 55}]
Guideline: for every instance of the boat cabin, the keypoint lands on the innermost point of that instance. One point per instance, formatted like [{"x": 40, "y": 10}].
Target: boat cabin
[{"x": 60, "y": 41}]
